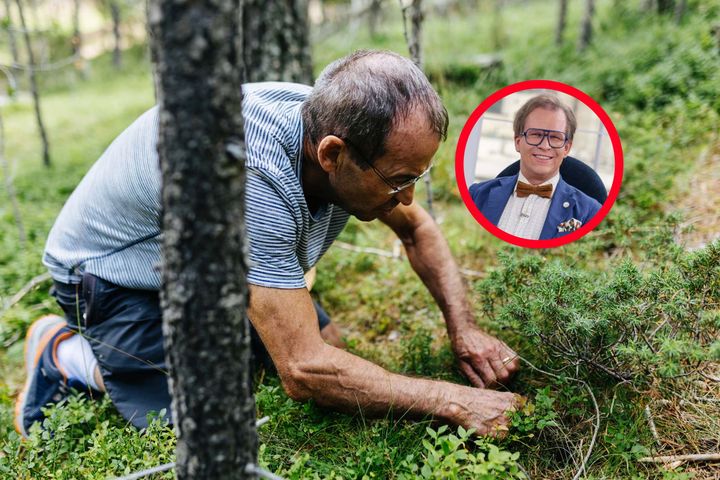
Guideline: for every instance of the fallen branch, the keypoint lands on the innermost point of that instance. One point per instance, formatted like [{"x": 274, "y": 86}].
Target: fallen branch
[
  {"x": 699, "y": 457},
  {"x": 24, "y": 291},
  {"x": 651, "y": 422}
]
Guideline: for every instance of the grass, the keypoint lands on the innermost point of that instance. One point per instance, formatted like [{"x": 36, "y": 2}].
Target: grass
[{"x": 657, "y": 80}]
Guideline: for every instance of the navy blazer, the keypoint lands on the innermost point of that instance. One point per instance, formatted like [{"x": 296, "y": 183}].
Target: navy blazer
[{"x": 567, "y": 202}]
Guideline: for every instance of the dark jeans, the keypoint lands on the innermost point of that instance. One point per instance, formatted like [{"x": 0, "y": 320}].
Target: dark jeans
[{"x": 124, "y": 329}]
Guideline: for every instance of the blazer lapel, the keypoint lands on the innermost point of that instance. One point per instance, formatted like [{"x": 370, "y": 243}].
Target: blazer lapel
[{"x": 498, "y": 198}]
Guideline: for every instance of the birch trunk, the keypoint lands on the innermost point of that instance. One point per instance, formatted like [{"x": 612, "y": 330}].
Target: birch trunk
[{"x": 197, "y": 52}]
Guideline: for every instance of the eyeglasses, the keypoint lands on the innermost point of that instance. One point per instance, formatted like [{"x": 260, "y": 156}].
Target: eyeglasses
[
  {"x": 393, "y": 187},
  {"x": 535, "y": 136}
]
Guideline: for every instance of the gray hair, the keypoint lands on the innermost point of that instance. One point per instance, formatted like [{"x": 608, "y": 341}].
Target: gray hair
[{"x": 362, "y": 96}]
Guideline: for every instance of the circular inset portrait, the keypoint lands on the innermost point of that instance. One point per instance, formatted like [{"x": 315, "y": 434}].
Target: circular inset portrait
[{"x": 539, "y": 164}]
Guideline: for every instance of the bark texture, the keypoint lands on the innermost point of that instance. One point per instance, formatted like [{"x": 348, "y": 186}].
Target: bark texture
[
  {"x": 276, "y": 44},
  {"x": 33, "y": 85},
  {"x": 586, "y": 26},
  {"x": 562, "y": 21},
  {"x": 196, "y": 46},
  {"x": 414, "y": 36}
]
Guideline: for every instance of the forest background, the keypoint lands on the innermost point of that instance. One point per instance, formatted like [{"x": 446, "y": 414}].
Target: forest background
[{"x": 627, "y": 318}]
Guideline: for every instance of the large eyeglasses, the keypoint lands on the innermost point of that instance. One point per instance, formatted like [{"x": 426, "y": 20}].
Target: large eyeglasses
[
  {"x": 535, "y": 136},
  {"x": 393, "y": 187}
]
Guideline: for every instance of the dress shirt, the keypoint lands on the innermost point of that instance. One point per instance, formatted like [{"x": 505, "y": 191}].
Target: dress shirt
[{"x": 525, "y": 217}]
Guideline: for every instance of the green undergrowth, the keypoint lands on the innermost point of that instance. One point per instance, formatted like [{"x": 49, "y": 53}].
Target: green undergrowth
[{"x": 626, "y": 309}]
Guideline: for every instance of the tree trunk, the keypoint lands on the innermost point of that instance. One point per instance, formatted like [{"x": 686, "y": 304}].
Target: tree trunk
[
  {"x": 76, "y": 38},
  {"x": 414, "y": 42},
  {"x": 374, "y": 17},
  {"x": 115, "y": 14},
  {"x": 680, "y": 10},
  {"x": 414, "y": 39},
  {"x": 33, "y": 84},
  {"x": 497, "y": 25},
  {"x": 562, "y": 20},
  {"x": 665, "y": 6},
  {"x": 9, "y": 187},
  {"x": 276, "y": 44},
  {"x": 11, "y": 34},
  {"x": 586, "y": 27},
  {"x": 197, "y": 50}
]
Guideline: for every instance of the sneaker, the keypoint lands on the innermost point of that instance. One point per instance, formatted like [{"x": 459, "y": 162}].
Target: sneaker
[{"x": 45, "y": 382}]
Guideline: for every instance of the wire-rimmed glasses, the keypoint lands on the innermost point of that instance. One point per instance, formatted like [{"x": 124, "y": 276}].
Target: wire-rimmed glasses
[{"x": 393, "y": 187}]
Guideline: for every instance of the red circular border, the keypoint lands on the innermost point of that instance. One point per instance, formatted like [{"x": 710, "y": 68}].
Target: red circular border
[{"x": 531, "y": 85}]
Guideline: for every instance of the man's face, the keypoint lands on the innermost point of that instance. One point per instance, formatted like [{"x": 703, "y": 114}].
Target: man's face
[
  {"x": 542, "y": 162},
  {"x": 408, "y": 152}
]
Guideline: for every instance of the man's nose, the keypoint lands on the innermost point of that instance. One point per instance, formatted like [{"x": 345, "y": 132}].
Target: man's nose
[
  {"x": 545, "y": 142},
  {"x": 405, "y": 196}
]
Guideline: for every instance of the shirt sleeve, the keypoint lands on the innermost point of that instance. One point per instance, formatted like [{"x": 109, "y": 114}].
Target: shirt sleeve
[{"x": 272, "y": 231}]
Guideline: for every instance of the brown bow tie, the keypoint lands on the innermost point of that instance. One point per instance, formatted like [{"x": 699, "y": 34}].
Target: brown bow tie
[{"x": 525, "y": 189}]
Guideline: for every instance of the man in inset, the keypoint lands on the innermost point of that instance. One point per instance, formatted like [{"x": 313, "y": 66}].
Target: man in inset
[
  {"x": 537, "y": 203},
  {"x": 355, "y": 144}
]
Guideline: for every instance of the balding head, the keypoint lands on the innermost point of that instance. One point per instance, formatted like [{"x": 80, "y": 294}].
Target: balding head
[{"x": 363, "y": 96}]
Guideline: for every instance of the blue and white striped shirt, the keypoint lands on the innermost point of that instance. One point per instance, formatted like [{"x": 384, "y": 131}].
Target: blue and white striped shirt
[{"x": 110, "y": 225}]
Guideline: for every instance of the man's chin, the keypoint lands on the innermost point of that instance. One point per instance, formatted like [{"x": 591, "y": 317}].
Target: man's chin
[{"x": 365, "y": 216}]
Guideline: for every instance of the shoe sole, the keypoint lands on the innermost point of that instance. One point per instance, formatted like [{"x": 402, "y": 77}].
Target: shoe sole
[{"x": 36, "y": 339}]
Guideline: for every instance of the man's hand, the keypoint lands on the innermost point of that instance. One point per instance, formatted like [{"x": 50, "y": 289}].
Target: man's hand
[
  {"x": 484, "y": 410},
  {"x": 485, "y": 360}
]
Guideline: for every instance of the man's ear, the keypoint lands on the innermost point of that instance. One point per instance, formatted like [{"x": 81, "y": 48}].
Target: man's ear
[
  {"x": 328, "y": 152},
  {"x": 567, "y": 147},
  {"x": 517, "y": 143}
]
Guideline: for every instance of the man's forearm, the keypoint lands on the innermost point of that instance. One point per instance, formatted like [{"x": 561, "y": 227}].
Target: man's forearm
[{"x": 340, "y": 380}]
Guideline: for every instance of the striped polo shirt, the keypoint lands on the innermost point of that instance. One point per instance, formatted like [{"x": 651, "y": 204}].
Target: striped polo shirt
[{"x": 110, "y": 225}]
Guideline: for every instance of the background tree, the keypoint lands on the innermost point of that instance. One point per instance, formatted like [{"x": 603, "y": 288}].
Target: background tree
[
  {"x": 665, "y": 6},
  {"x": 374, "y": 16},
  {"x": 115, "y": 15},
  {"x": 11, "y": 32},
  {"x": 586, "y": 25},
  {"x": 276, "y": 43},
  {"x": 414, "y": 12},
  {"x": 197, "y": 49},
  {"x": 76, "y": 37},
  {"x": 680, "y": 10},
  {"x": 562, "y": 20},
  {"x": 33, "y": 84},
  {"x": 9, "y": 188},
  {"x": 498, "y": 35}
]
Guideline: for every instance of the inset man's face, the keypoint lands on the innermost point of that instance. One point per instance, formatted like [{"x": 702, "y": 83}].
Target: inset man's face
[{"x": 542, "y": 162}]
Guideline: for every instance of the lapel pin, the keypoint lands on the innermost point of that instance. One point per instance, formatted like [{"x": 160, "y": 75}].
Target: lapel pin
[{"x": 566, "y": 204}]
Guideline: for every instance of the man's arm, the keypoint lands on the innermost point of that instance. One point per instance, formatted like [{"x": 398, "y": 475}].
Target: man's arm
[
  {"x": 310, "y": 368},
  {"x": 484, "y": 359}
]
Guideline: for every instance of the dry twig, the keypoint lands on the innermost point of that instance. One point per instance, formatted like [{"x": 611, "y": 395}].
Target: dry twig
[
  {"x": 698, "y": 457},
  {"x": 24, "y": 291}
]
